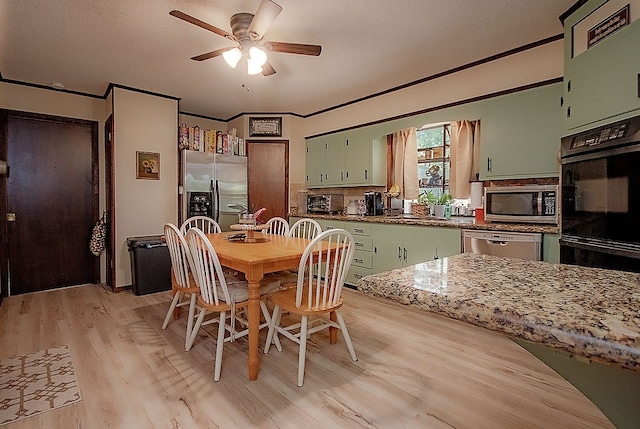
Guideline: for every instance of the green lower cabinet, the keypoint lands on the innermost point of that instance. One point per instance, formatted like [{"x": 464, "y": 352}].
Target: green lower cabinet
[
  {"x": 396, "y": 246},
  {"x": 328, "y": 224},
  {"x": 362, "y": 258},
  {"x": 383, "y": 247},
  {"x": 356, "y": 273},
  {"x": 388, "y": 255}
]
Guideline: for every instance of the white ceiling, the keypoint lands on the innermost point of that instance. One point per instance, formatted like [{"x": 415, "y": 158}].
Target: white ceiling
[{"x": 368, "y": 46}]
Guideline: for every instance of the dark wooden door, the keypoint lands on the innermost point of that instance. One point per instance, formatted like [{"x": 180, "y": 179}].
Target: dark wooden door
[
  {"x": 52, "y": 197},
  {"x": 268, "y": 177}
]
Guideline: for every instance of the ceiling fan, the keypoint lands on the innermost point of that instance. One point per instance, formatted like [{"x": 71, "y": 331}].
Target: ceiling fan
[{"x": 248, "y": 31}]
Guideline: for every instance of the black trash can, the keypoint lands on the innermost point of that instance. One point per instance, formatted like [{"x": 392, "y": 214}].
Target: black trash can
[{"x": 150, "y": 264}]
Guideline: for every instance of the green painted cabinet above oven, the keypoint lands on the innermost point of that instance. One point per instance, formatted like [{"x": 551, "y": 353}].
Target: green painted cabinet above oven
[
  {"x": 602, "y": 82},
  {"x": 520, "y": 134},
  {"x": 350, "y": 158}
]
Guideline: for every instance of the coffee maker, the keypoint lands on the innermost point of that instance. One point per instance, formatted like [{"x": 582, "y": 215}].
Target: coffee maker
[{"x": 373, "y": 203}]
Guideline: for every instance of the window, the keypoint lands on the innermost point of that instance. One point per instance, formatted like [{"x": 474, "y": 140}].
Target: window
[{"x": 434, "y": 143}]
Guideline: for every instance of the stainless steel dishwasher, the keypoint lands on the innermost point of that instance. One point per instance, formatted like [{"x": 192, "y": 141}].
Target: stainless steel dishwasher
[{"x": 523, "y": 245}]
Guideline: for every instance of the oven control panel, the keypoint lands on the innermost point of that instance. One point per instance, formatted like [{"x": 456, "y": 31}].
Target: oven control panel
[{"x": 602, "y": 136}]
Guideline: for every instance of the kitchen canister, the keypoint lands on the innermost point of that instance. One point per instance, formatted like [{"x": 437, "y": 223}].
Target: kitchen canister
[{"x": 352, "y": 207}]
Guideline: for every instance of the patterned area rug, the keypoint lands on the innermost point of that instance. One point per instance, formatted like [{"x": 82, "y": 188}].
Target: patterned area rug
[{"x": 35, "y": 383}]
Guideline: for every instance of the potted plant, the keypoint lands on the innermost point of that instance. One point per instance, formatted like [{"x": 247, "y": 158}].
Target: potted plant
[{"x": 440, "y": 206}]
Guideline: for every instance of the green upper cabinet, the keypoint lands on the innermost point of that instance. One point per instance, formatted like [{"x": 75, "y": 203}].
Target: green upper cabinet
[
  {"x": 348, "y": 158},
  {"x": 334, "y": 154},
  {"x": 520, "y": 134},
  {"x": 314, "y": 162},
  {"x": 602, "y": 82},
  {"x": 358, "y": 158}
]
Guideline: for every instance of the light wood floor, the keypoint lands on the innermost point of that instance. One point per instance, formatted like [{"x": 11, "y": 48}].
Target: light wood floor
[{"x": 415, "y": 370}]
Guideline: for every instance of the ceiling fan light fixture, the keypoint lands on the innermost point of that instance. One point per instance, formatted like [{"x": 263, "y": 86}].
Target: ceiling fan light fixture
[
  {"x": 257, "y": 55},
  {"x": 253, "y": 67},
  {"x": 232, "y": 57}
]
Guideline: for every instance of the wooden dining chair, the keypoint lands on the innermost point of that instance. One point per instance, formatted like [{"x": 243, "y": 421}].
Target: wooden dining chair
[
  {"x": 321, "y": 276},
  {"x": 222, "y": 294},
  {"x": 278, "y": 225},
  {"x": 305, "y": 228},
  {"x": 185, "y": 289},
  {"x": 204, "y": 223}
]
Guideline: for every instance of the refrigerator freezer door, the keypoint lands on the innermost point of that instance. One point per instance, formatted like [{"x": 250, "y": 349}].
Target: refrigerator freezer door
[
  {"x": 198, "y": 170},
  {"x": 231, "y": 177}
]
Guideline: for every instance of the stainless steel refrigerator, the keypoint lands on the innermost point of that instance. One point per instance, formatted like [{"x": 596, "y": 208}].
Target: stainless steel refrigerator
[{"x": 222, "y": 177}]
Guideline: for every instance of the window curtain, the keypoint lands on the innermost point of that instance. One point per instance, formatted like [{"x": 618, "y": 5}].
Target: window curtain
[
  {"x": 404, "y": 150},
  {"x": 465, "y": 155}
]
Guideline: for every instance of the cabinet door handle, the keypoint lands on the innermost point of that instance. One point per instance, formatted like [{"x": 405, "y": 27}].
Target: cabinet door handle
[
  {"x": 569, "y": 86},
  {"x": 405, "y": 254},
  {"x": 359, "y": 244},
  {"x": 342, "y": 176},
  {"x": 569, "y": 112},
  {"x": 359, "y": 261},
  {"x": 359, "y": 230},
  {"x": 488, "y": 164},
  {"x": 399, "y": 253},
  {"x": 366, "y": 174},
  {"x": 561, "y": 101}
]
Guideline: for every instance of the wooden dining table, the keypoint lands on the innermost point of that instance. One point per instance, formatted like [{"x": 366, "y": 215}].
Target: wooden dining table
[{"x": 255, "y": 259}]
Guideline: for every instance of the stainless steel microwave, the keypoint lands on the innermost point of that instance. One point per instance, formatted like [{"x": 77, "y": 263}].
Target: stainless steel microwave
[{"x": 525, "y": 204}]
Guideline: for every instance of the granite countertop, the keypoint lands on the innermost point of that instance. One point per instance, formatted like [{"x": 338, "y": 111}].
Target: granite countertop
[
  {"x": 588, "y": 312},
  {"x": 455, "y": 222}
]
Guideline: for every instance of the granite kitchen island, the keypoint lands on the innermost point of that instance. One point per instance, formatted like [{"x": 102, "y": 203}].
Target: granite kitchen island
[{"x": 591, "y": 315}]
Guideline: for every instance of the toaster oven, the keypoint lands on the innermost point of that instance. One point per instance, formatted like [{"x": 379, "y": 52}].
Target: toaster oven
[{"x": 327, "y": 203}]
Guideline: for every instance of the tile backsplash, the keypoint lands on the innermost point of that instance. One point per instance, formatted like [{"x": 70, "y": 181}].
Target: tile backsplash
[{"x": 357, "y": 193}]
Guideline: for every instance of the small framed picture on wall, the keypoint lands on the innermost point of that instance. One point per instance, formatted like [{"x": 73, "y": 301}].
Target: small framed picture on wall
[
  {"x": 148, "y": 165},
  {"x": 265, "y": 127}
]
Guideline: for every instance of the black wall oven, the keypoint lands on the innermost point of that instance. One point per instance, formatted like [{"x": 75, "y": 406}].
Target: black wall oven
[{"x": 600, "y": 213}]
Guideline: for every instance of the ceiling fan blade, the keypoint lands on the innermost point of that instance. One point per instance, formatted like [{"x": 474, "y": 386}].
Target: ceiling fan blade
[
  {"x": 294, "y": 48},
  {"x": 195, "y": 21},
  {"x": 211, "y": 54},
  {"x": 266, "y": 14},
  {"x": 267, "y": 69}
]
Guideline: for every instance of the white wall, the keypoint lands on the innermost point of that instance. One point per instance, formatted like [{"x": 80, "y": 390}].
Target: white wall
[{"x": 147, "y": 123}]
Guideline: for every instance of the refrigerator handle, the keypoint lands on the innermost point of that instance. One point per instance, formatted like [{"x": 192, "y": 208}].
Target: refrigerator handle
[{"x": 216, "y": 193}]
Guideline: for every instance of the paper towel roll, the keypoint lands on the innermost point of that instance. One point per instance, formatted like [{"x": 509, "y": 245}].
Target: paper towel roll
[{"x": 477, "y": 190}]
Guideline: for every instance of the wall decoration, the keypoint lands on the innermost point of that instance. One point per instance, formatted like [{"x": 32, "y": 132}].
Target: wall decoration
[
  {"x": 607, "y": 27},
  {"x": 148, "y": 165},
  {"x": 265, "y": 127}
]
